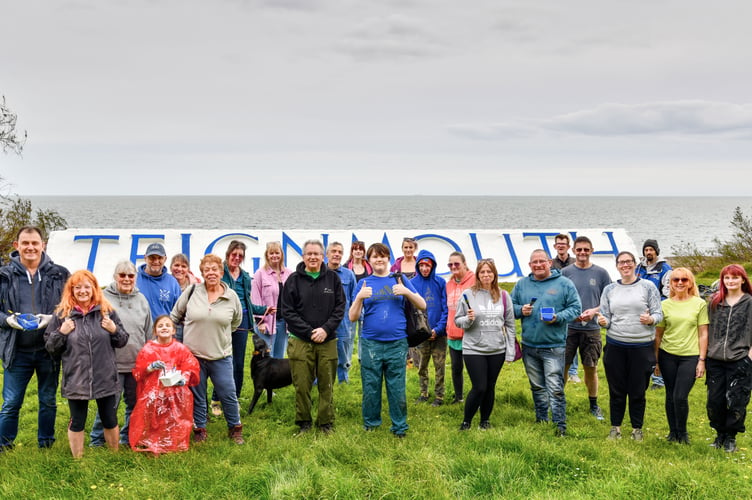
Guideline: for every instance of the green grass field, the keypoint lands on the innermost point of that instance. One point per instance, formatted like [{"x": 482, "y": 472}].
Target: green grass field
[{"x": 514, "y": 459}]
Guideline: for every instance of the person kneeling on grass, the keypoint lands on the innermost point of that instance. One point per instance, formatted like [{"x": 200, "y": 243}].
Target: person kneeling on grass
[{"x": 163, "y": 417}]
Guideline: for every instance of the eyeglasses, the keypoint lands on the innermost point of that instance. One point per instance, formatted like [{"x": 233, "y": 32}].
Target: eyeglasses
[
  {"x": 680, "y": 280},
  {"x": 583, "y": 250},
  {"x": 126, "y": 275},
  {"x": 624, "y": 262},
  {"x": 450, "y": 265},
  {"x": 408, "y": 240}
]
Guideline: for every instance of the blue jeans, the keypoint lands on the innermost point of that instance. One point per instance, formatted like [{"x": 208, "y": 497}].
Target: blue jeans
[
  {"x": 128, "y": 389},
  {"x": 545, "y": 370},
  {"x": 344, "y": 355},
  {"x": 384, "y": 361},
  {"x": 15, "y": 380},
  {"x": 280, "y": 339},
  {"x": 574, "y": 367},
  {"x": 239, "y": 344},
  {"x": 220, "y": 373}
]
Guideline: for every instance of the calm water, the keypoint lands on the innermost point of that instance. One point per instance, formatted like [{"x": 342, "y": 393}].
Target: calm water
[{"x": 669, "y": 220}]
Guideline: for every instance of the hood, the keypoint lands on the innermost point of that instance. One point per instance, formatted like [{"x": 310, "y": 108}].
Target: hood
[
  {"x": 555, "y": 273},
  {"x": 18, "y": 268},
  {"x": 425, "y": 254},
  {"x": 658, "y": 260},
  {"x": 143, "y": 274},
  {"x": 112, "y": 289}
]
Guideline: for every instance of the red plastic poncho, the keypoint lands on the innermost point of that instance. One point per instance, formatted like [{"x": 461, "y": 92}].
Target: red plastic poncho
[{"x": 163, "y": 417}]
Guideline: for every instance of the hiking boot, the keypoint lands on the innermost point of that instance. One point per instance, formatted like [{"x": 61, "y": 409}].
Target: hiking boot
[
  {"x": 484, "y": 424},
  {"x": 216, "y": 408},
  {"x": 326, "y": 428},
  {"x": 304, "y": 427},
  {"x": 464, "y": 426},
  {"x": 597, "y": 413},
  {"x": 421, "y": 399},
  {"x": 637, "y": 434},
  {"x": 437, "y": 402},
  {"x": 236, "y": 434},
  {"x": 720, "y": 441},
  {"x": 199, "y": 435},
  {"x": 730, "y": 445},
  {"x": 614, "y": 434}
]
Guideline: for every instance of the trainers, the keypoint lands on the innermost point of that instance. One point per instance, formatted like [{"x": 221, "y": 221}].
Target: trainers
[
  {"x": 637, "y": 434},
  {"x": 437, "y": 402},
  {"x": 421, "y": 399},
  {"x": 304, "y": 427},
  {"x": 682, "y": 438},
  {"x": 575, "y": 379},
  {"x": 560, "y": 432},
  {"x": 199, "y": 435},
  {"x": 672, "y": 437},
  {"x": 614, "y": 434},
  {"x": 655, "y": 386},
  {"x": 484, "y": 424},
  {"x": 216, "y": 409},
  {"x": 720, "y": 441},
  {"x": 457, "y": 400},
  {"x": 730, "y": 445},
  {"x": 597, "y": 413},
  {"x": 236, "y": 434},
  {"x": 464, "y": 426},
  {"x": 326, "y": 428}
]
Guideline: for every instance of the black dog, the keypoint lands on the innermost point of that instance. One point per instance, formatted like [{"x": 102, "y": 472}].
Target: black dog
[{"x": 267, "y": 372}]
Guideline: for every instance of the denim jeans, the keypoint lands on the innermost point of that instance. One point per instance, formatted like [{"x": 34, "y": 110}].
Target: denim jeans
[
  {"x": 239, "y": 344},
  {"x": 344, "y": 355},
  {"x": 545, "y": 370},
  {"x": 220, "y": 373},
  {"x": 384, "y": 361},
  {"x": 15, "y": 380},
  {"x": 280, "y": 339},
  {"x": 128, "y": 389}
]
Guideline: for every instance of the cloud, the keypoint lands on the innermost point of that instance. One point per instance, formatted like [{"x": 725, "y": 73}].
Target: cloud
[
  {"x": 388, "y": 37},
  {"x": 667, "y": 118}
]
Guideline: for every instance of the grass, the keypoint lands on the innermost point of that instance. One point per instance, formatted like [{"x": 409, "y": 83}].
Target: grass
[{"x": 515, "y": 459}]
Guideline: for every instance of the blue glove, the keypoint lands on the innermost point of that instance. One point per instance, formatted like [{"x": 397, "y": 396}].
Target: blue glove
[{"x": 156, "y": 365}]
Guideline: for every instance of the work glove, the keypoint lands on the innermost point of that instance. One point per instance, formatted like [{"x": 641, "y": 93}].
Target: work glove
[
  {"x": 156, "y": 365},
  {"x": 12, "y": 321},
  {"x": 44, "y": 320}
]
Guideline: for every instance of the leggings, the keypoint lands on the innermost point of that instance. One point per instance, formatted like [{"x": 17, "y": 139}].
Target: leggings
[
  {"x": 455, "y": 355},
  {"x": 483, "y": 372},
  {"x": 679, "y": 375},
  {"x": 80, "y": 407}
]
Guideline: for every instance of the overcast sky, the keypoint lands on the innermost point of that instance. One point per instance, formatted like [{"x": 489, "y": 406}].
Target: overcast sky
[{"x": 525, "y": 97}]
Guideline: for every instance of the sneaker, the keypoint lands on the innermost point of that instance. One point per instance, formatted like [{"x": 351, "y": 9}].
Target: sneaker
[
  {"x": 720, "y": 441},
  {"x": 199, "y": 435},
  {"x": 575, "y": 379},
  {"x": 464, "y": 426},
  {"x": 421, "y": 399},
  {"x": 655, "y": 386},
  {"x": 682, "y": 438},
  {"x": 400, "y": 435},
  {"x": 597, "y": 413},
  {"x": 730, "y": 445},
  {"x": 457, "y": 400},
  {"x": 236, "y": 434},
  {"x": 672, "y": 437},
  {"x": 614, "y": 434},
  {"x": 304, "y": 427},
  {"x": 560, "y": 432},
  {"x": 437, "y": 402},
  {"x": 326, "y": 428},
  {"x": 484, "y": 424},
  {"x": 216, "y": 408},
  {"x": 637, "y": 434}
]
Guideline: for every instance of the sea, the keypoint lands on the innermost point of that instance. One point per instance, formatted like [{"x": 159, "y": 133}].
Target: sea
[{"x": 672, "y": 221}]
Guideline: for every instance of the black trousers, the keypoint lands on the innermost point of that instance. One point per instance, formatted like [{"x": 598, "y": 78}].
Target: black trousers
[
  {"x": 483, "y": 372},
  {"x": 729, "y": 385},
  {"x": 679, "y": 375},
  {"x": 628, "y": 372},
  {"x": 457, "y": 372}
]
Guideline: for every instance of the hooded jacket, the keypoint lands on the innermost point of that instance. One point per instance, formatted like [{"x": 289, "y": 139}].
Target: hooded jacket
[
  {"x": 730, "y": 330},
  {"x": 161, "y": 291},
  {"x": 52, "y": 278},
  {"x": 135, "y": 314},
  {"x": 88, "y": 354},
  {"x": 657, "y": 273},
  {"x": 553, "y": 291},
  {"x": 309, "y": 303},
  {"x": 454, "y": 292},
  {"x": 433, "y": 290}
]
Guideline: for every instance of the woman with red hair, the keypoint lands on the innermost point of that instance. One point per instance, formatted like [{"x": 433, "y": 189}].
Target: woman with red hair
[
  {"x": 729, "y": 367},
  {"x": 84, "y": 332}
]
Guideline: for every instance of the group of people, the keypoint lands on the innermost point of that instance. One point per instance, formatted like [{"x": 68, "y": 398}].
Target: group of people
[{"x": 156, "y": 337}]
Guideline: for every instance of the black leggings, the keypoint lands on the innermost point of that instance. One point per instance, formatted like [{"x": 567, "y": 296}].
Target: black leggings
[
  {"x": 80, "y": 407},
  {"x": 628, "y": 372},
  {"x": 679, "y": 375},
  {"x": 483, "y": 372},
  {"x": 455, "y": 355}
]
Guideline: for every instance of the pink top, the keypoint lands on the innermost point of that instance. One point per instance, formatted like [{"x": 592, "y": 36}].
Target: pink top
[{"x": 265, "y": 291}]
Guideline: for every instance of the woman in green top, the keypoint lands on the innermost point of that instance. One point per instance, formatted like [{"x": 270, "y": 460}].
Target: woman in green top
[{"x": 681, "y": 343}]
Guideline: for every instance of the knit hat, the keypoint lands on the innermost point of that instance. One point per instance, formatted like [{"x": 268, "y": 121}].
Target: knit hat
[{"x": 651, "y": 243}]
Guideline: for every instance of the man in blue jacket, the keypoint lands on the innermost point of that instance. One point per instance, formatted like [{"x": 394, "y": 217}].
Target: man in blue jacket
[
  {"x": 546, "y": 302},
  {"x": 160, "y": 288},
  {"x": 30, "y": 284},
  {"x": 334, "y": 253},
  {"x": 433, "y": 289}
]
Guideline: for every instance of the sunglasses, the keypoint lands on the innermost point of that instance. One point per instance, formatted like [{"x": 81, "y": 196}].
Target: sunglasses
[
  {"x": 680, "y": 280},
  {"x": 453, "y": 264},
  {"x": 126, "y": 275}
]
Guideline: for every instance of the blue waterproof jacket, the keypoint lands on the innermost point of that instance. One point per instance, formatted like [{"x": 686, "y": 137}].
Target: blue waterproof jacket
[{"x": 433, "y": 290}]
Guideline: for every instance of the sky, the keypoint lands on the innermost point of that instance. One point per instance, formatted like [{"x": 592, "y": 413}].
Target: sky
[{"x": 395, "y": 97}]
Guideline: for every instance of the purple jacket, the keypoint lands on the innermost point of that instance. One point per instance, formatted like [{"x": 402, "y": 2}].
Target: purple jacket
[{"x": 265, "y": 291}]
